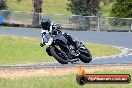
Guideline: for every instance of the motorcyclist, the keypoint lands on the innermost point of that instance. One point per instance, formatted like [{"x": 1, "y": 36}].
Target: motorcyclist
[{"x": 48, "y": 28}]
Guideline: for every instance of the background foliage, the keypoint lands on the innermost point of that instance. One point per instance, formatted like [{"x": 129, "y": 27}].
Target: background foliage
[
  {"x": 122, "y": 9},
  {"x": 84, "y": 7},
  {"x": 3, "y": 4}
]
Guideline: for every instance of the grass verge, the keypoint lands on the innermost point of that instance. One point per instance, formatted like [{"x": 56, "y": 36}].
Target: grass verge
[
  {"x": 51, "y": 6},
  {"x": 48, "y": 6},
  {"x": 68, "y": 81},
  {"x": 16, "y": 50}
]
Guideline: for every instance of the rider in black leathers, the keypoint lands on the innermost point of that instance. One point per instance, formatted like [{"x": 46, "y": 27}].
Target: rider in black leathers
[{"x": 48, "y": 28}]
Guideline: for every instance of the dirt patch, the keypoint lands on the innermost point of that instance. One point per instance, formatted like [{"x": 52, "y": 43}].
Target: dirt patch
[{"x": 12, "y": 74}]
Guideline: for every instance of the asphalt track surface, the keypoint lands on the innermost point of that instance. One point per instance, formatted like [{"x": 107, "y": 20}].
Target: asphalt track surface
[{"x": 121, "y": 39}]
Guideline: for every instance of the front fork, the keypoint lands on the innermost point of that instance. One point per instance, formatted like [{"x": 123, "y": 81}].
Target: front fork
[{"x": 48, "y": 51}]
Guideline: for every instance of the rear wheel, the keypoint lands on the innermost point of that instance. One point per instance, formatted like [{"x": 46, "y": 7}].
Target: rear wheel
[{"x": 59, "y": 55}]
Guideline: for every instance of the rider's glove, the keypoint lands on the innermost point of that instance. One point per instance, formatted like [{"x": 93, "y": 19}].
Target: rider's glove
[{"x": 41, "y": 44}]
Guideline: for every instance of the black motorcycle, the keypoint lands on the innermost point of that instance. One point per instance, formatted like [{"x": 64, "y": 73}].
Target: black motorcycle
[{"x": 64, "y": 49}]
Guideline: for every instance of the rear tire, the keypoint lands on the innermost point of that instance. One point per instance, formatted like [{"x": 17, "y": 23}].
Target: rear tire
[{"x": 57, "y": 57}]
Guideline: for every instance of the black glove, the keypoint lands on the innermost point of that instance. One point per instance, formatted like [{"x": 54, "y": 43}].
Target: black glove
[{"x": 41, "y": 44}]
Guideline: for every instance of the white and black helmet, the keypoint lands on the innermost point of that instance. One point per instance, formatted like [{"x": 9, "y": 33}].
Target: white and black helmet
[{"x": 45, "y": 23}]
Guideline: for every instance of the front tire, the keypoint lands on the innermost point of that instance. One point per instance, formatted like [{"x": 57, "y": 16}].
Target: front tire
[
  {"x": 85, "y": 57},
  {"x": 57, "y": 57}
]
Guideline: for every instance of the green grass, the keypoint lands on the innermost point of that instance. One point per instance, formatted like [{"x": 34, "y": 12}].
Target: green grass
[
  {"x": 68, "y": 81},
  {"x": 2, "y": 26},
  {"x": 99, "y": 50},
  {"x": 105, "y": 9},
  {"x": 18, "y": 50},
  {"x": 49, "y": 6},
  {"x": 15, "y": 50}
]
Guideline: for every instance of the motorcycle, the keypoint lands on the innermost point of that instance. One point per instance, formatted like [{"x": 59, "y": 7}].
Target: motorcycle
[{"x": 64, "y": 48}]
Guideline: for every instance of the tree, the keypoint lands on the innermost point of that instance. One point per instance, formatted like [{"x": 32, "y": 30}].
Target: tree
[
  {"x": 84, "y": 8},
  {"x": 121, "y": 9},
  {"x": 18, "y": 1},
  {"x": 3, "y": 4},
  {"x": 37, "y": 9}
]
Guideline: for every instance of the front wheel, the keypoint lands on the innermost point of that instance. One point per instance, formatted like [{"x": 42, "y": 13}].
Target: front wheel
[
  {"x": 60, "y": 56},
  {"x": 85, "y": 57}
]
